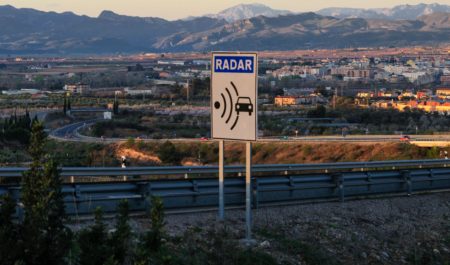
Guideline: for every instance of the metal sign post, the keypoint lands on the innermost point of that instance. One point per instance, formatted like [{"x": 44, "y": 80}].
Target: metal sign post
[
  {"x": 248, "y": 200},
  {"x": 221, "y": 178}
]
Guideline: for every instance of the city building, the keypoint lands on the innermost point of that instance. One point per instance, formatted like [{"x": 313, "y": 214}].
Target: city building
[
  {"x": 351, "y": 73},
  {"x": 445, "y": 79},
  {"x": 79, "y": 88},
  {"x": 312, "y": 99},
  {"x": 286, "y": 100},
  {"x": 443, "y": 93}
]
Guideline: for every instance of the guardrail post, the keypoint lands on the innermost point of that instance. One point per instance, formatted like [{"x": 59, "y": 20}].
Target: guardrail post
[
  {"x": 145, "y": 189},
  {"x": 339, "y": 182},
  {"x": 406, "y": 174},
  {"x": 291, "y": 186},
  {"x": 195, "y": 189},
  {"x": 77, "y": 191},
  {"x": 431, "y": 176},
  {"x": 255, "y": 186},
  {"x": 75, "y": 195},
  {"x": 369, "y": 181}
]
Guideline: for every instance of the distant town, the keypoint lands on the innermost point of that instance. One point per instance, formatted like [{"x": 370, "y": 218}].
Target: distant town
[{"x": 383, "y": 78}]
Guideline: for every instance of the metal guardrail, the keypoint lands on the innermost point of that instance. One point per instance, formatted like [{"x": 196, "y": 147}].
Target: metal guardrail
[
  {"x": 182, "y": 170},
  {"x": 285, "y": 183}
]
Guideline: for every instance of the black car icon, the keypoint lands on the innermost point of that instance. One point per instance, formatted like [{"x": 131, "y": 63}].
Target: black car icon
[{"x": 244, "y": 104}]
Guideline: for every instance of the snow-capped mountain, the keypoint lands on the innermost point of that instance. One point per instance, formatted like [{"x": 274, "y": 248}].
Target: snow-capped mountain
[
  {"x": 245, "y": 11},
  {"x": 412, "y": 12},
  {"x": 409, "y": 12}
]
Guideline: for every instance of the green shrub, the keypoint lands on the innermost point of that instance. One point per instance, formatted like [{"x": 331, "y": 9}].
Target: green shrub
[
  {"x": 153, "y": 239},
  {"x": 151, "y": 249},
  {"x": 9, "y": 235},
  {"x": 121, "y": 239},
  {"x": 130, "y": 142},
  {"x": 169, "y": 154},
  {"x": 93, "y": 242}
]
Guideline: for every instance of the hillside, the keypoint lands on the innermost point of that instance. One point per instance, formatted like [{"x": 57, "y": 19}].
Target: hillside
[{"x": 276, "y": 153}]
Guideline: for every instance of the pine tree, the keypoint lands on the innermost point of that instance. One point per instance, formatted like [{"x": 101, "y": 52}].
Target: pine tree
[
  {"x": 116, "y": 107},
  {"x": 153, "y": 239},
  {"x": 35, "y": 120},
  {"x": 27, "y": 120},
  {"x": 9, "y": 241},
  {"x": 151, "y": 244},
  {"x": 65, "y": 105},
  {"x": 94, "y": 249},
  {"x": 121, "y": 238},
  {"x": 45, "y": 238}
]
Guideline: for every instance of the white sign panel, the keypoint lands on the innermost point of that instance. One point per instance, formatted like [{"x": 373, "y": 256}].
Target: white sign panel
[{"x": 234, "y": 89}]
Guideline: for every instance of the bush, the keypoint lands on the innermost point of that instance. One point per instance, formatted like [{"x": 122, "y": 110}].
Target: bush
[
  {"x": 169, "y": 154},
  {"x": 130, "y": 142},
  {"x": 150, "y": 249},
  {"x": 9, "y": 246},
  {"x": 92, "y": 241},
  {"x": 154, "y": 236},
  {"x": 121, "y": 239}
]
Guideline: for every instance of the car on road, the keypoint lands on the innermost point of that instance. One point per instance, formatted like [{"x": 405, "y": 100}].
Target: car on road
[
  {"x": 204, "y": 139},
  {"x": 244, "y": 104},
  {"x": 405, "y": 138}
]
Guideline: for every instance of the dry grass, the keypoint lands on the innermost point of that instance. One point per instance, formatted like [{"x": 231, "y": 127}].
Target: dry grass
[{"x": 282, "y": 153}]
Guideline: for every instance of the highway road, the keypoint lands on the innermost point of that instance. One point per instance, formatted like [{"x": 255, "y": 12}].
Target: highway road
[{"x": 71, "y": 133}]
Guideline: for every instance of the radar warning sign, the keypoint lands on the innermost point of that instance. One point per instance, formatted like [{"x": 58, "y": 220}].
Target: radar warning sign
[{"x": 234, "y": 83}]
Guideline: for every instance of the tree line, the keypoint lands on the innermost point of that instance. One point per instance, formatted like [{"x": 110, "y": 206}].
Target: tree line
[{"x": 17, "y": 128}]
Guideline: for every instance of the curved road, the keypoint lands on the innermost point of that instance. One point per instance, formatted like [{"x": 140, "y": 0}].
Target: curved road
[{"x": 70, "y": 132}]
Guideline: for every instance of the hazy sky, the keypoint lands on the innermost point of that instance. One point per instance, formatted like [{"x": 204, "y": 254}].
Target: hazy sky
[{"x": 174, "y": 9}]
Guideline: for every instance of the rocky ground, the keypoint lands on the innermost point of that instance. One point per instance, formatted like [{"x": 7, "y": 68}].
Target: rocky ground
[{"x": 400, "y": 230}]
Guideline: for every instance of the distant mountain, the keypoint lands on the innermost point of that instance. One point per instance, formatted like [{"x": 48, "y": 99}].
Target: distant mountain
[
  {"x": 408, "y": 12},
  {"x": 342, "y": 12},
  {"x": 309, "y": 30},
  {"x": 412, "y": 12},
  {"x": 245, "y": 11},
  {"x": 28, "y": 31},
  {"x": 32, "y": 31},
  {"x": 436, "y": 21}
]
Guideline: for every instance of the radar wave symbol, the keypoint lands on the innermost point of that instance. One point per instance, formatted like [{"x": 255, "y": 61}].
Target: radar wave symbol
[{"x": 228, "y": 106}]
